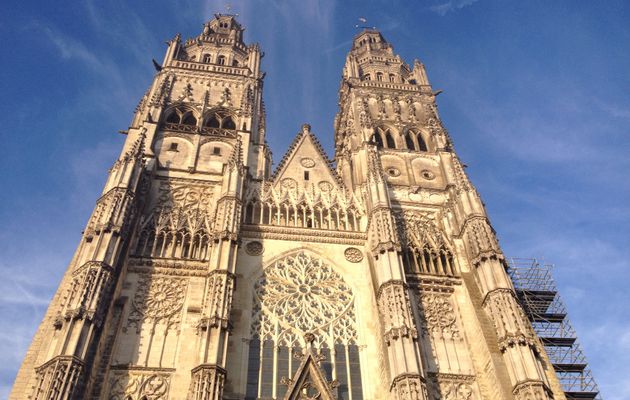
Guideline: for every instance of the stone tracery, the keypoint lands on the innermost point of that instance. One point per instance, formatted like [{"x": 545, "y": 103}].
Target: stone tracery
[
  {"x": 300, "y": 295},
  {"x": 426, "y": 251},
  {"x": 300, "y": 300},
  {"x": 326, "y": 207},
  {"x": 179, "y": 224}
]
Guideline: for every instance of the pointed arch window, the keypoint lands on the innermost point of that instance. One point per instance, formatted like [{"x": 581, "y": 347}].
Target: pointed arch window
[
  {"x": 409, "y": 142},
  {"x": 384, "y": 138},
  {"x": 173, "y": 118},
  {"x": 189, "y": 119},
  {"x": 425, "y": 250},
  {"x": 228, "y": 123},
  {"x": 378, "y": 140},
  {"x": 212, "y": 122},
  {"x": 389, "y": 140},
  {"x": 181, "y": 116},
  {"x": 422, "y": 145},
  {"x": 220, "y": 118}
]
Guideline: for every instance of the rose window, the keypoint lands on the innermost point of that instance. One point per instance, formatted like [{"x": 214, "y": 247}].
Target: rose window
[
  {"x": 303, "y": 294},
  {"x": 295, "y": 296}
]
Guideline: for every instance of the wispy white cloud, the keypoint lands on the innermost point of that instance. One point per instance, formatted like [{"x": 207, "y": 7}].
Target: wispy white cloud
[
  {"x": 121, "y": 24},
  {"x": 451, "y": 6},
  {"x": 72, "y": 49}
]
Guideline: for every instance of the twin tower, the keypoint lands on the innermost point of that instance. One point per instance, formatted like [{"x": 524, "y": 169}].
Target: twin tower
[{"x": 204, "y": 275}]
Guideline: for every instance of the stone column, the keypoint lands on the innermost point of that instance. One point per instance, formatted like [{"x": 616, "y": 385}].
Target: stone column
[
  {"x": 399, "y": 329},
  {"x": 214, "y": 327},
  {"x": 92, "y": 278},
  {"x": 516, "y": 338}
]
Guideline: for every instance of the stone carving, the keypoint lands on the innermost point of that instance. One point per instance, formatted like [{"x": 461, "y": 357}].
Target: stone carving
[
  {"x": 439, "y": 315},
  {"x": 412, "y": 109},
  {"x": 353, "y": 254},
  {"x": 91, "y": 284},
  {"x": 179, "y": 224},
  {"x": 510, "y": 322},
  {"x": 157, "y": 300},
  {"x": 395, "y": 310},
  {"x": 177, "y": 195},
  {"x": 254, "y": 248},
  {"x": 58, "y": 378},
  {"x": 383, "y": 234},
  {"x": 139, "y": 385},
  {"x": 409, "y": 387},
  {"x": 382, "y": 111},
  {"x": 428, "y": 175},
  {"x": 187, "y": 93},
  {"x": 216, "y": 310},
  {"x": 226, "y": 97},
  {"x": 452, "y": 387},
  {"x": 482, "y": 243},
  {"x": 419, "y": 229},
  {"x": 307, "y": 162},
  {"x": 325, "y": 186},
  {"x": 301, "y": 294},
  {"x": 321, "y": 206},
  {"x": 207, "y": 382},
  {"x": 461, "y": 180},
  {"x": 531, "y": 391},
  {"x": 396, "y": 107},
  {"x": 289, "y": 184},
  {"x": 393, "y": 171}
]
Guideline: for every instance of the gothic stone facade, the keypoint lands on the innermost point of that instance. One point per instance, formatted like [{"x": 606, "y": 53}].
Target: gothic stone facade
[{"x": 203, "y": 275}]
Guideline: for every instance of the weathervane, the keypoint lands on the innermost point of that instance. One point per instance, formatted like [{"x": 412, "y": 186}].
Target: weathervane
[{"x": 363, "y": 20}]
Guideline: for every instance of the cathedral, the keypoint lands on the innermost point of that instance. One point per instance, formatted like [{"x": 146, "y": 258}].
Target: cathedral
[{"x": 203, "y": 274}]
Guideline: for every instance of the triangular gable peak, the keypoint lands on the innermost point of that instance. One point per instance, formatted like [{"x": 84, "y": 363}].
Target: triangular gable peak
[
  {"x": 309, "y": 382},
  {"x": 306, "y": 165}
]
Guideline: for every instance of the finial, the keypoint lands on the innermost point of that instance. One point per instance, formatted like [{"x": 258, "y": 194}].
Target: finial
[{"x": 306, "y": 128}]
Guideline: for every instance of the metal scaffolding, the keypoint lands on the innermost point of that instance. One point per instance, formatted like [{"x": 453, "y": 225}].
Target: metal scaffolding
[{"x": 538, "y": 294}]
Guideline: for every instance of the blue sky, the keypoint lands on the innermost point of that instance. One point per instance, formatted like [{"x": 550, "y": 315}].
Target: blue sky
[{"x": 536, "y": 98}]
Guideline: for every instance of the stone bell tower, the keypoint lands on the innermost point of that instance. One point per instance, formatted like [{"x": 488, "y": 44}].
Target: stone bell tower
[
  {"x": 163, "y": 234},
  {"x": 204, "y": 275},
  {"x": 450, "y": 320}
]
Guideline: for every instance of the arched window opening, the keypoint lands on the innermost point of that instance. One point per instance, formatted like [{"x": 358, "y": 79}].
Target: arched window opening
[
  {"x": 221, "y": 60},
  {"x": 219, "y": 119},
  {"x": 173, "y": 117},
  {"x": 409, "y": 142},
  {"x": 189, "y": 119},
  {"x": 368, "y": 77},
  {"x": 376, "y": 138},
  {"x": 379, "y": 76},
  {"x": 422, "y": 145},
  {"x": 389, "y": 140},
  {"x": 212, "y": 122},
  {"x": 206, "y": 58},
  {"x": 235, "y": 63},
  {"x": 392, "y": 78},
  {"x": 228, "y": 123}
]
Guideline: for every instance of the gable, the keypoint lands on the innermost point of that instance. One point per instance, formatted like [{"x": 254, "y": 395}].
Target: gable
[
  {"x": 305, "y": 164},
  {"x": 309, "y": 381}
]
